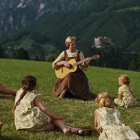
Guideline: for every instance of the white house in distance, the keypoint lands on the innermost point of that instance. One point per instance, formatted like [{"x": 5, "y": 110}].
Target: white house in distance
[{"x": 101, "y": 42}]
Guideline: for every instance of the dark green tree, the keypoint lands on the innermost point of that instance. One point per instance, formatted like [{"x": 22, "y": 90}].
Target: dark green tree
[
  {"x": 42, "y": 56},
  {"x": 36, "y": 58},
  {"x": 22, "y": 54},
  {"x": 135, "y": 64},
  {"x": 53, "y": 56},
  {"x": 2, "y": 52}
]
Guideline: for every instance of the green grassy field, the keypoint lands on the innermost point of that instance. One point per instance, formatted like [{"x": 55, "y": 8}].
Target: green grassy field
[{"x": 76, "y": 112}]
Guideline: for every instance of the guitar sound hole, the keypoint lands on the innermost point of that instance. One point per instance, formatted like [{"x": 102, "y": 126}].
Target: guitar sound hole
[{"x": 70, "y": 66}]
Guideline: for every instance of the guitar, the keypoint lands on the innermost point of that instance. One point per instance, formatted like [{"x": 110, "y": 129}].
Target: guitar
[{"x": 63, "y": 71}]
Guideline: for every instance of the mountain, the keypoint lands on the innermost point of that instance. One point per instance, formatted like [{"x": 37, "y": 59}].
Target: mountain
[
  {"x": 19, "y": 14},
  {"x": 45, "y": 24}
]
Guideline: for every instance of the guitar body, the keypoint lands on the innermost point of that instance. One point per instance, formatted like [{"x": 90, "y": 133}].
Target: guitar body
[{"x": 63, "y": 71}]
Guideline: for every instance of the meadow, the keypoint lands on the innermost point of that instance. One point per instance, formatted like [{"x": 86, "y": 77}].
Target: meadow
[{"x": 76, "y": 113}]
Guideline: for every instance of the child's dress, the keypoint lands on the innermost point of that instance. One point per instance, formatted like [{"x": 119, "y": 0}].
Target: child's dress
[
  {"x": 27, "y": 115},
  {"x": 111, "y": 128},
  {"x": 128, "y": 100}
]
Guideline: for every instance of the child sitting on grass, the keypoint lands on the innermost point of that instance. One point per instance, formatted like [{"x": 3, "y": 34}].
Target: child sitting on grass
[
  {"x": 32, "y": 115},
  {"x": 107, "y": 123},
  {"x": 126, "y": 97}
]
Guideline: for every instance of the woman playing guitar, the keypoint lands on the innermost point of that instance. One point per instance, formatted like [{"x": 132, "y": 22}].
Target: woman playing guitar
[{"x": 75, "y": 82}]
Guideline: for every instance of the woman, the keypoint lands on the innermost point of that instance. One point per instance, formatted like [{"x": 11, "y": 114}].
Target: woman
[{"x": 75, "y": 82}]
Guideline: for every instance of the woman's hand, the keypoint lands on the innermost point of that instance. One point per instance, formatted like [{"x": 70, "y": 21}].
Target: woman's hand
[
  {"x": 66, "y": 64},
  {"x": 88, "y": 60},
  {"x": 63, "y": 63}
]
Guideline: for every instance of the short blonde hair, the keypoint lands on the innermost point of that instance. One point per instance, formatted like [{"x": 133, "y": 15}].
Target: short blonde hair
[
  {"x": 105, "y": 100},
  {"x": 69, "y": 40},
  {"x": 125, "y": 79}
]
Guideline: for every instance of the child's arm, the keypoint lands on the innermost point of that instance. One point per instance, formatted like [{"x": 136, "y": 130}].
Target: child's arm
[
  {"x": 95, "y": 120},
  {"x": 120, "y": 97},
  {"x": 46, "y": 110},
  {"x": 120, "y": 93},
  {"x": 137, "y": 122},
  {"x": 7, "y": 91}
]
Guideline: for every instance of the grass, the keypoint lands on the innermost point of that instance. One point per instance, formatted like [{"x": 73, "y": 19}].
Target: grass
[{"x": 76, "y": 112}]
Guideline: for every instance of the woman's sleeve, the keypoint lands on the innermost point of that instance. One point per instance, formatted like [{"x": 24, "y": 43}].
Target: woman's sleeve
[
  {"x": 58, "y": 59},
  {"x": 82, "y": 57}
]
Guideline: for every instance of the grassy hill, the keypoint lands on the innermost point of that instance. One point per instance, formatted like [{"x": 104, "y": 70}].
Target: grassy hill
[{"x": 75, "y": 112}]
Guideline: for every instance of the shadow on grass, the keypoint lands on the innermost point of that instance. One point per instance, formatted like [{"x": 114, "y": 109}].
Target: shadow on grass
[
  {"x": 7, "y": 97},
  {"x": 138, "y": 132},
  {"x": 69, "y": 95},
  {"x": 138, "y": 100},
  {"x": 9, "y": 138}
]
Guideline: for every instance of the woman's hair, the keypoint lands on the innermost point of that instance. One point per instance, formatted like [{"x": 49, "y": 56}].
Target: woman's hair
[
  {"x": 126, "y": 80},
  {"x": 105, "y": 100},
  {"x": 28, "y": 83},
  {"x": 69, "y": 40}
]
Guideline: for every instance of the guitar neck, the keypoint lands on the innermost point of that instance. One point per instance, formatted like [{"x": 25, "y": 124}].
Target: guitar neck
[
  {"x": 80, "y": 62},
  {"x": 84, "y": 60}
]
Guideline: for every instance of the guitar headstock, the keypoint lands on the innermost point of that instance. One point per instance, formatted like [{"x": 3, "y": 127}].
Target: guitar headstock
[{"x": 95, "y": 57}]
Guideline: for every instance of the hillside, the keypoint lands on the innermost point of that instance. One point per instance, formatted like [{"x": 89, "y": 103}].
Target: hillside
[
  {"x": 83, "y": 19},
  {"x": 75, "y": 112}
]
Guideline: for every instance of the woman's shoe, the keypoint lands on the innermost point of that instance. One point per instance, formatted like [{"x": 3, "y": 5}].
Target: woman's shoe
[{"x": 84, "y": 132}]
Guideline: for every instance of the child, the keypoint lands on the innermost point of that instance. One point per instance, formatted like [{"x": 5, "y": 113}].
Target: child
[
  {"x": 32, "y": 115},
  {"x": 126, "y": 97},
  {"x": 107, "y": 121}
]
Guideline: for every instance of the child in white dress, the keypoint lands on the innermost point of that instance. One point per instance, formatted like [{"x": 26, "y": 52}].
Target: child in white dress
[
  {"x": 126, "y": 97},
  {"x": 107, "y": 123},
  {"x": 32, "y": 115}
]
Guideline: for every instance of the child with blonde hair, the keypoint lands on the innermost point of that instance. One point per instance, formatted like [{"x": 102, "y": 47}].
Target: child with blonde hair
[
  {"x": 32, "y": 115},
  {"x": 126, "y": 97},
  {"x": 107, "y": 123}
]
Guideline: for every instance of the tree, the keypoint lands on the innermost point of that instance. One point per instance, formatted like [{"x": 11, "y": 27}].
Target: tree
[
  {"x": 53, "y": 56},
  {"x": 36, "y": 58},
  {"x": 2, "y": 53},
  {"x": 14, "y": 54},
  {"x": 22, "y": 54},
  {"x": 135, "y": 64},
  {"x": 42, "y": 56}
]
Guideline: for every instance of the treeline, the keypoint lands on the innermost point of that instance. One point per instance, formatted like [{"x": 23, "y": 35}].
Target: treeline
[
  {"x": 20, "y": 53},
  {"x": 110, "y": 57},
  {"x": 36, "y": 46}
]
